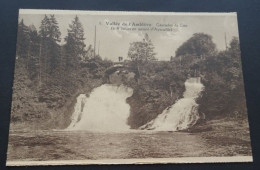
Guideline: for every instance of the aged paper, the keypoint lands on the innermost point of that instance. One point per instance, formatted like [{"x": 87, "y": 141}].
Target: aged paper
[{"x": 109, "y": 87}]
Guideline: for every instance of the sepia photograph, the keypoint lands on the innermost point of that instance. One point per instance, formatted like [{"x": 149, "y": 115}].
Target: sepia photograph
[{"x": 110, "y": 87}]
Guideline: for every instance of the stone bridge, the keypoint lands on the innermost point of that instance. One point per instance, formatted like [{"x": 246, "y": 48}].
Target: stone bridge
[{"x": 118, "y": 73}]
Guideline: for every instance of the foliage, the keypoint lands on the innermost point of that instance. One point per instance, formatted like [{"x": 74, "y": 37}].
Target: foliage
[
  {"x": 45, "y": 84},
  {"x": 161, "y": 84},
  {"x": 75, "y": 46},
  {"x": 140, "y": 52},
  {"x": 49, "y": 76},
  {"x": 199, "y": 45},
  {"x": 50, "y": 35},
  {"x": 221, "y": 75},
  {"x": 223, "y": 81}
]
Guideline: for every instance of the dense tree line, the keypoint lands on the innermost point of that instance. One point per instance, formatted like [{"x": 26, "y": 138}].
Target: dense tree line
[
  {"x": 224, "y": 87},
  {"x": 42, "y": 51},
  {"x": 161, "y": 83},
  {"x": 221, "y": 74},
  {"x": 52, "y": 72},
  {"x": 49, "y": 75}
]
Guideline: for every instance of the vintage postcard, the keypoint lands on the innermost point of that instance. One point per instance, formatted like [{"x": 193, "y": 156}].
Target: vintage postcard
[{"x": 103, "y": 87}]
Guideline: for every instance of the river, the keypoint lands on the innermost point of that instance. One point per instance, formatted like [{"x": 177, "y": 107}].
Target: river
[{"x": 82, "y": 145}]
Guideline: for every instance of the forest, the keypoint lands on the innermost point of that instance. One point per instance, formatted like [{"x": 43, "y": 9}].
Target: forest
[{"x": 50, "y": 75}]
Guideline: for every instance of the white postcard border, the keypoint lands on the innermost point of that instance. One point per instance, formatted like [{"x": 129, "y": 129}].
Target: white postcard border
[{"x": 135, "y": 161}]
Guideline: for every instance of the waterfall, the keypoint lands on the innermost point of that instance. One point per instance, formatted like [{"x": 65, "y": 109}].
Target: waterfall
[
  {"x": 78, "y": 109},
  {"x": 104, "y": 110},
  {"x": 182, "y": 114}
]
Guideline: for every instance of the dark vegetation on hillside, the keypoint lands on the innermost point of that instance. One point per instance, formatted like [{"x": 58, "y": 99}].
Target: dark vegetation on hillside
[
  {"x": 49, "y": 76},
  {"x": 221, "y": 74},
  {"x": 160, "y": 85},
  {"x": 224, "y": 87}
]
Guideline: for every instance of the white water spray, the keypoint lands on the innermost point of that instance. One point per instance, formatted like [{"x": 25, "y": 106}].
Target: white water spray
[
  {"x": 181, "y": 115},
  {"x": 104, "y": 110},
  {"x": 78, "y": 109}
]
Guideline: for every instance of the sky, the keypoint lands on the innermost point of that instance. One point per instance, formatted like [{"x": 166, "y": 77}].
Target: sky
[{"x": 176, "y": 28}]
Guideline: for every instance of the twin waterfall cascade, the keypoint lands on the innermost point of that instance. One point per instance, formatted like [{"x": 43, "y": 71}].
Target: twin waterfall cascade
[
  {"x": 181, "y": 115},
  {"x": 106, "y": 110}
]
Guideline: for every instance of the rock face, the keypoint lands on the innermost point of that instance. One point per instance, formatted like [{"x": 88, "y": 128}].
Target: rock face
[
  {"x": 151, "y": 94},
  {"x": 181, "y": 115},
  {"x": 147, "y": 103}
]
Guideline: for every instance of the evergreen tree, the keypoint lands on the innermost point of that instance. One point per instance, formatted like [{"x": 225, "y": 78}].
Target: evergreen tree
[
  {"x": 34, "y": 38},
  {"x": 75, "y": 46},
  {"x": 54, "y": 32},
  {"x": 33, "y": 52},
  {"x": 54, "y": 48},
  {"x": 22, "y": 40},
  {"x": 43, "y": 51},
  {"x": 44, "y": 28},
  {"x": 50, "y": 49}
]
